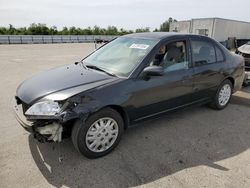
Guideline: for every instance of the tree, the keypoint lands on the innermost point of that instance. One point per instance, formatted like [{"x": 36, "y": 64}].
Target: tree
[
  {"x": 73, "y": 31},
  {"x": 12, "y": 30},
  {"x": 3, "y": 31},
  {"x": 112, "y": 30},
  {"x": 141, "y": 30},
  {"x": 96, "y": 30},
  {"x": 87, "y": 31},
  {"x": 165, "y": 25},
  {"x": 65, "y": 31},
  {"x": 53, "y": 30},
  {"x": 42, "y": 29},
  {"x": 38, "y": 29},
  {"x": 124, "y": 32}
]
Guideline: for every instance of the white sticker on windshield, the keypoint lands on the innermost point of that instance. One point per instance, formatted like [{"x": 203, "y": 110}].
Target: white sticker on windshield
[{"x": 139, "y": 46}]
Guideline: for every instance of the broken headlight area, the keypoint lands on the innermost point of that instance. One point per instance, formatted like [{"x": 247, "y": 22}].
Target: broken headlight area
[
  {"x": 47, "y": 120},
  {"x": 44, "y": 108},
  {"x": 53, "y": 128},
  {"x": 47, "y": 131}
]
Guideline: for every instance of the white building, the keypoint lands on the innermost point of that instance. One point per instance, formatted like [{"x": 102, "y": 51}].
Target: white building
[{"x": 218, "y": 28}]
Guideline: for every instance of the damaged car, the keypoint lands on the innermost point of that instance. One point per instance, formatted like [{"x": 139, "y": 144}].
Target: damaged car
[
  {"x": 128, "y": 80},
  {"x": 244, "y": 50}
]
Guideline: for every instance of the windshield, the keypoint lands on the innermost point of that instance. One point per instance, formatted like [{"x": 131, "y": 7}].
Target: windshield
[{"x": 121, "y": 56}]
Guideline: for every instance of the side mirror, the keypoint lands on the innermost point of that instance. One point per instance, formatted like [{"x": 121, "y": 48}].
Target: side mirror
[{"x": 152, "y": 71}]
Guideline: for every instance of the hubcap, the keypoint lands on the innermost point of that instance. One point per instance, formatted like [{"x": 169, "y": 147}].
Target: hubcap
[
  {"x": 224, "y": 94},
  {"x": 102, "y": 134}
]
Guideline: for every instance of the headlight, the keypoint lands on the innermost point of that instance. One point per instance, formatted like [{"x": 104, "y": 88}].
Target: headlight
[{"x": 47, "y": 108}]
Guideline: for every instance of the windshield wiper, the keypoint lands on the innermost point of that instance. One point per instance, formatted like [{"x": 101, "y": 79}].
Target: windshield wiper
[{"x": 100, "y": 69}]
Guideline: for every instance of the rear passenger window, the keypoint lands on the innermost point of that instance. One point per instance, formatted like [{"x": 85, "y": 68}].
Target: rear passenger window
[
  {"x": 203, "y": 52},
  {"x": 219, "y": 54}
]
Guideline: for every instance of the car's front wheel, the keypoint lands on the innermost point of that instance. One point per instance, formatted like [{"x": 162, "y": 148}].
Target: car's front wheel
[
  {"x": 223, "y": 95},
  {"x": 99, "y": 134}
]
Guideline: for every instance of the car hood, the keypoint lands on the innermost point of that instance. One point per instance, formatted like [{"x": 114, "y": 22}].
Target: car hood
[
  {"x": 61, "y": 78},
  {"x": 244, "y": 49}
]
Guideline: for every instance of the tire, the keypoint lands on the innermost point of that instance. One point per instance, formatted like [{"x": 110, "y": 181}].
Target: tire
[
  {"x": 219, "y": 102},
  {"x": 104, "y": 127}
]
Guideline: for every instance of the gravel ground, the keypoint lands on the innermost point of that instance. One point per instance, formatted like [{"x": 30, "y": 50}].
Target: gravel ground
[{"x": 195, "y": 147}]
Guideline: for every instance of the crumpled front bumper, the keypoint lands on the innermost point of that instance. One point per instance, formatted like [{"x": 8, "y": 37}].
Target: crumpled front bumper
[
  {"x": 247, "y": 77},
  {"x": 46, "y": 132},
  {"x": 18, "y": 111}
]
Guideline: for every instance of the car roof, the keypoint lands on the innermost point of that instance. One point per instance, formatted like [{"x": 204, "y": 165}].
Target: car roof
[{"x": 156, "y": 35}]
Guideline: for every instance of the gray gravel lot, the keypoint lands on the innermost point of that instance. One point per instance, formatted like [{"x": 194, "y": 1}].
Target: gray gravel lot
[{"x": 194, "y": 147}]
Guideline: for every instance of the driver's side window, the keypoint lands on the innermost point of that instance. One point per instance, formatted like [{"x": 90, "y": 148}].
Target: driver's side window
[{"x": 172, "y": 56}]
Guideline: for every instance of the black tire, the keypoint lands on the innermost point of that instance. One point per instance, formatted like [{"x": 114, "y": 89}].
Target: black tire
[
  {"x": 215, "y": 104},
  {"x": 80, "y": 129}
]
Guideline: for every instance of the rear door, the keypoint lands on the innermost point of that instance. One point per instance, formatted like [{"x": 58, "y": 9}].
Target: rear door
[{"x": 209, "y": 67}]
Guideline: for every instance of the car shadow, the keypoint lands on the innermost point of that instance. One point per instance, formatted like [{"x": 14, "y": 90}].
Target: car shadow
[
  {"x": 156, "y": 149},
  {"x": 243, "y": 98}
]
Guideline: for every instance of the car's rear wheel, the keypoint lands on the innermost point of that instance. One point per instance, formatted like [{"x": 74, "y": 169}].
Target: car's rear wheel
[
  {"x": 223, "y": 95},
  {"x": 99, "y": 134}
]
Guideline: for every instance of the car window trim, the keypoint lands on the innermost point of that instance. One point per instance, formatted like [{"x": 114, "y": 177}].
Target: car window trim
[{"x": 215, "y": 45}]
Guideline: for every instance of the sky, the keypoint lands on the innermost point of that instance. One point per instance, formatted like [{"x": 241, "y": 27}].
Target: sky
[{"x": 127, "y": 14}]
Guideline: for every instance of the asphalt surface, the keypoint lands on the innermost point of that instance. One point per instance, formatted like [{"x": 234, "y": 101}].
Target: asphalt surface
[{"x": 194, "y": 147}]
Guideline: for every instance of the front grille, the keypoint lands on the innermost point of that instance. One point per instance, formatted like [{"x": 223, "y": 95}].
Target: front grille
[{"x": 246, "y": 55}]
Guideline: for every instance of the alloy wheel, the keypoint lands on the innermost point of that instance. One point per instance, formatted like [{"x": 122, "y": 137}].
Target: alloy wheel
[{"x": 102, "y": 134}]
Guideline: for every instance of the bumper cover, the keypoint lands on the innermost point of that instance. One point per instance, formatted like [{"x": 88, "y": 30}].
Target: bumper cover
[
  {"x": 18, "y": 111},
  {"x": 247, "y": 77}
]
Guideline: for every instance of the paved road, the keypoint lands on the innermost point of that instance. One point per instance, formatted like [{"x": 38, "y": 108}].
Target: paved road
[{"x": 196, "y": 147}]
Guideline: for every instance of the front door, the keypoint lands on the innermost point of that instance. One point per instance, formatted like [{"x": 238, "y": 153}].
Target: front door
[{"x": 173, "y": 89}]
